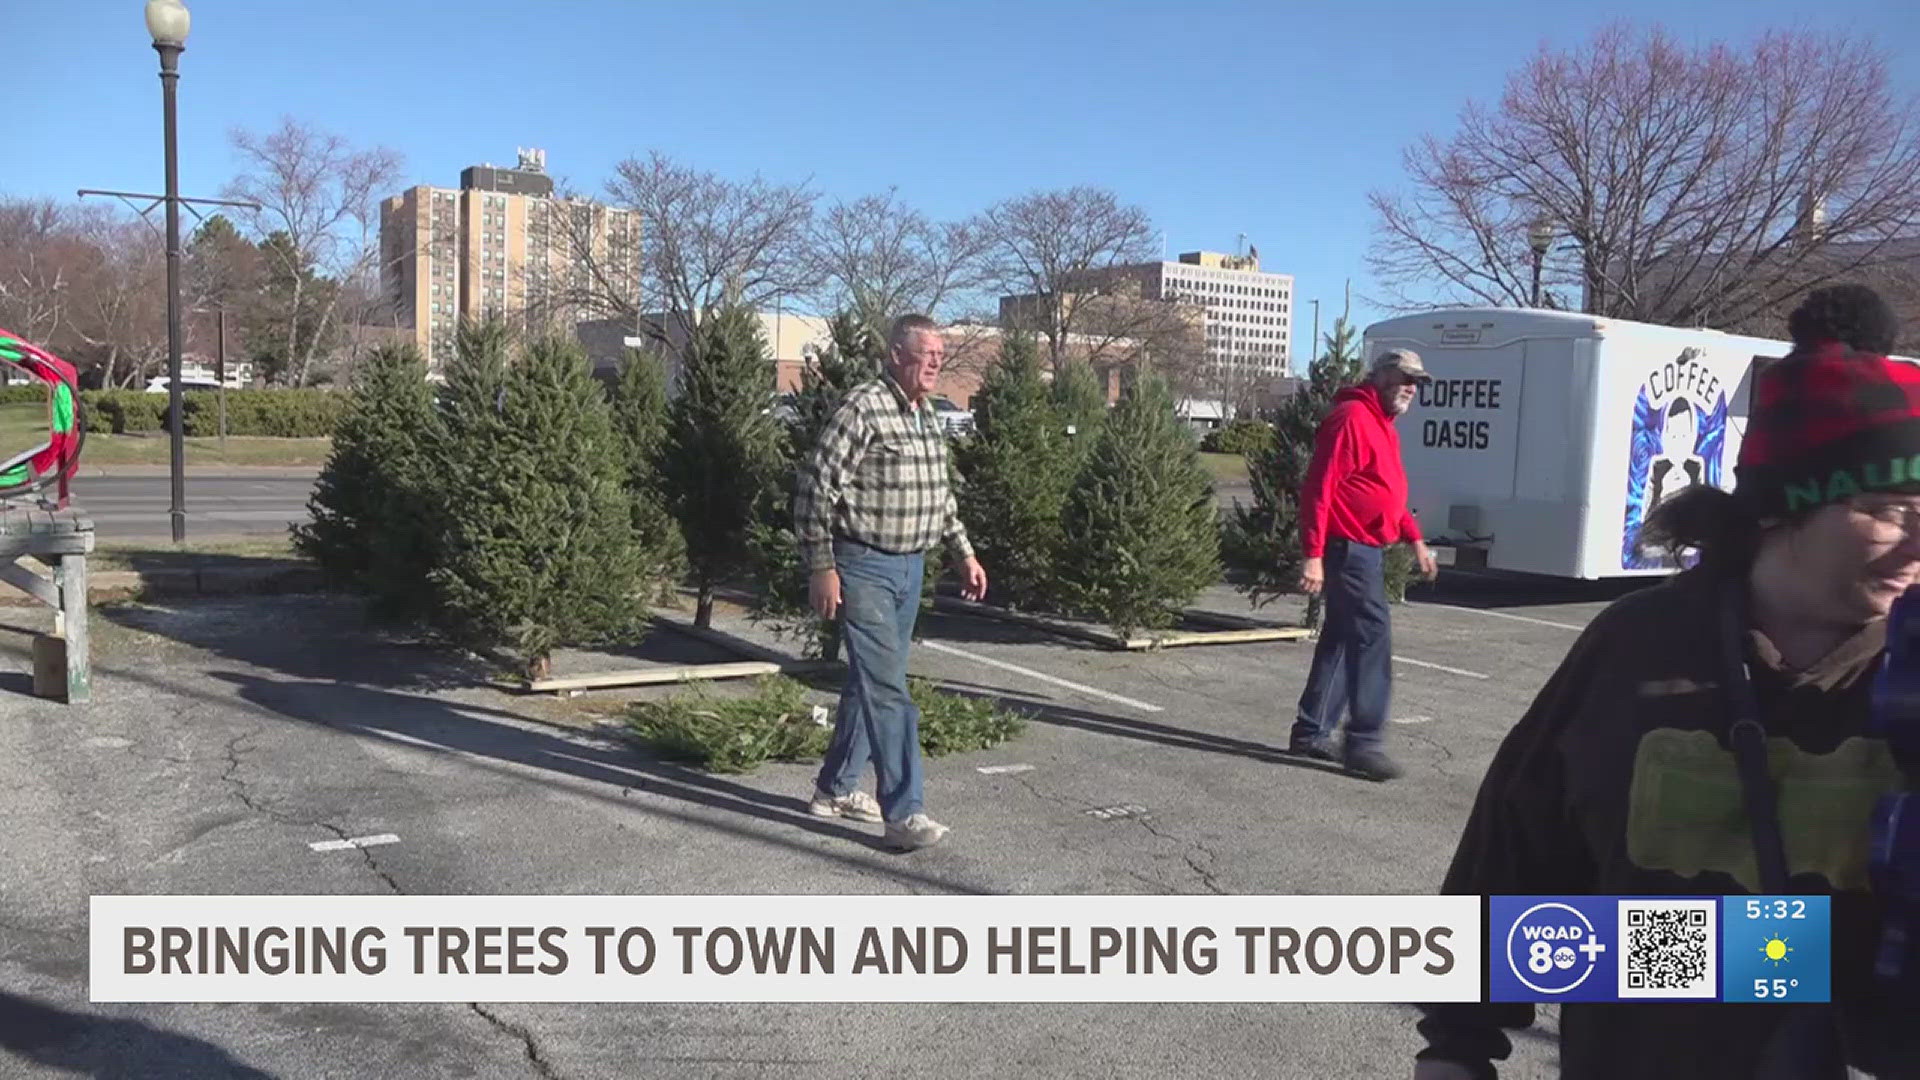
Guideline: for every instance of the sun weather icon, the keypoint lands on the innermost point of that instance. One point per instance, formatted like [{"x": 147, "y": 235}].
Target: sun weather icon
[{"x": 1776, "y": 950}]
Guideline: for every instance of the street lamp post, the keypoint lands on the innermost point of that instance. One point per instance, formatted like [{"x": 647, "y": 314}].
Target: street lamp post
[
  {"x": 168, "y": 21},
  {"x": 1539, "y": 238}
]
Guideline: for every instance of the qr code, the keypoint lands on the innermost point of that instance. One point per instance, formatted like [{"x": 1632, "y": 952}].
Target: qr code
[{"x": 1668, "y": 949}]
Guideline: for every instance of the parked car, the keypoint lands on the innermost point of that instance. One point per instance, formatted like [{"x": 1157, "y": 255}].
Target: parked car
[
  {"x": 782, "y": 409},
  {"x": 956, "y": 420},
  {"x": 159, "y": 384}
]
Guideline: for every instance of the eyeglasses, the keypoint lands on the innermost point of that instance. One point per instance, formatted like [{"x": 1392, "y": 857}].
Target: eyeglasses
[{"x": 1892, "y": 520}]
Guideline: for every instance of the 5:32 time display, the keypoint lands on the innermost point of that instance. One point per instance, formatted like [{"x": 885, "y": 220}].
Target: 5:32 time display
[{"x": 1782, "y": 908}]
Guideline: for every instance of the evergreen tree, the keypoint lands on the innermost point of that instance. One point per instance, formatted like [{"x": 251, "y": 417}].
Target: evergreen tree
[
  {"x": 1262, "y": 541},
  {"x": 1015, "y": 472},
  {"x": 370, "y": 525},
  {"x": 724, "y": 460},
  {"x": 538, "y": 549},
  {"x": 639, "y": 402},
  {"x": 1141, "y": 531},
  {"x": 1080, "y": 400},
  {"x": 856, "y": 354}
]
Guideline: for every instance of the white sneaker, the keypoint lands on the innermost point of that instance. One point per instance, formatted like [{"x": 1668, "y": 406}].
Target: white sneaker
[
  {"x": 917, "y": 831},
  {"x": 856, "y": 804}
]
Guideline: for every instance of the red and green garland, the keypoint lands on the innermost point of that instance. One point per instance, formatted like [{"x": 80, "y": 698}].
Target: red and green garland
[{"x": 55, "y": 462}]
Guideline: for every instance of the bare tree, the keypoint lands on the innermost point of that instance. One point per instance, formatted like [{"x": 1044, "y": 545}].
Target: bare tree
[
  {"x": 119, "y": 311},
  {"x": 1693, "y": 186},
  {"x": 702, "y": 239},
  {"x": 1045, "y": 250},
  {"x": 323, "y": 197},
  {"x": 40, "y": 250},
  {"x": 1240, "y": 388},
  {"x": 369, "y": 319},
  {"x": 878, "y": 258}
]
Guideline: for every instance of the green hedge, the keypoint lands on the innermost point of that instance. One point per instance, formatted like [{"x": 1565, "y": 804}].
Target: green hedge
[
  {"x": 122, "y": 412},
  {"x": 282, "y": 414},
  {"x": 285, "y": 414}
]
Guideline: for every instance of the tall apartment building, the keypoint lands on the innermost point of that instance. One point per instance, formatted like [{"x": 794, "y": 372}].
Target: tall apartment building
[{"x": 501, "y": 245}]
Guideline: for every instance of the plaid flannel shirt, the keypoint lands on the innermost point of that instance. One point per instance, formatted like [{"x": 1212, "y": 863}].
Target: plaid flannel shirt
[{"x": 880, "y": 477}]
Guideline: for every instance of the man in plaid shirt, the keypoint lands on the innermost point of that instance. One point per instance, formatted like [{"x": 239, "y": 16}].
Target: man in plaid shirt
[{"x": 873, "y": 499}]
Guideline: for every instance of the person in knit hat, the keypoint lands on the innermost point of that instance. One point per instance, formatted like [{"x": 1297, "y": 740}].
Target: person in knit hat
[{"x": 1710, "y": 735}]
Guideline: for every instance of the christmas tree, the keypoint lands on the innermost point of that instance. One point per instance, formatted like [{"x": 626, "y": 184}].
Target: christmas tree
[
  {"x": 370, "y": 526},
  {"x": 1141, "y": 532},
  {"x": 639, "y": 403},
  {"x": 1262, "y": 541},
  {"x": 724, "y": 462},
  {"x": 856, "y": 355},
  {"x": 1080, "y": 400},
  {"x": 1015, "y": 473},
  {"x": 537, "y": 548}
]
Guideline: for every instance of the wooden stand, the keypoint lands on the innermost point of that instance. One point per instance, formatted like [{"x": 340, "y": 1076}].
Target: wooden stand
[{"x": 61, "y": 539}]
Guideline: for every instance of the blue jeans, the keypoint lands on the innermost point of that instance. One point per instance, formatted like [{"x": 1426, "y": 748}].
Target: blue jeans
[
  {"x": 877, "y": 721},
  {"x": 1353, "y": 663}
]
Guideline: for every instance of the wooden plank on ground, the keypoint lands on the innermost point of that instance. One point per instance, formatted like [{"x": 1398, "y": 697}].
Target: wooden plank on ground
[
  {"x": 1240, "y": 632},
  {"x": 744, "y": 669},
  {"x": 1172, "y": 639}
]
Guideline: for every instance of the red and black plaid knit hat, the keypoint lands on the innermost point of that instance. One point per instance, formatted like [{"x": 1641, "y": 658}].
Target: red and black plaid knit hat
[{"x": 1829, "y": 421}]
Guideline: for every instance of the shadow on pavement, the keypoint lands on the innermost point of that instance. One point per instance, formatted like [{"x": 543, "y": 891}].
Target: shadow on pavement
[
  {"x": 451, "y": 726},
  {"x": 320, "y": 665},
  {"x": 960, "y": 629},
  {"x": 1043, "y": 711},
  {"x": 1492, "y": 589},
  {"x": 110, "y": 1048},
  {"x": 306, "y": 636}
]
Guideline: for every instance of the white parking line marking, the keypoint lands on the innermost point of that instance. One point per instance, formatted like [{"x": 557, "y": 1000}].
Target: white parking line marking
[
  {"x": 1441, "y": 667},
  {"x": 1504, "y": 615},
  {"x": 1041, "y": 675},
  {"x": 356, "y": 842},
  {"x": 996, "y": 770},
  {"x": 1413, "y": 719}
]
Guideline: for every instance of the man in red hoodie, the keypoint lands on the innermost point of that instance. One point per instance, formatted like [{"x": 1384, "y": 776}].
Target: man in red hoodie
[{"x": 1353, "y": 506}]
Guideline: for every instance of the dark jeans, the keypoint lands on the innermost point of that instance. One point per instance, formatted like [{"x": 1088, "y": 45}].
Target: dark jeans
[
  {"x": 1353, "y": 663},
  {"x": 878, "y": 721}
]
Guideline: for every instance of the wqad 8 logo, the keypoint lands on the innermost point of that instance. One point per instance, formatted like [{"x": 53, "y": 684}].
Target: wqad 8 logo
[{"x": 1551, "y": 948}]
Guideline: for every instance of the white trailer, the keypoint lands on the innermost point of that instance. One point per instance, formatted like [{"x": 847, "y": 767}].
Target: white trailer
[{"x": 1545, "y": 437}]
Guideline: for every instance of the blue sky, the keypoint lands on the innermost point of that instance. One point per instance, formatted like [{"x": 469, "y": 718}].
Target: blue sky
[{"x": 1219, "y": 118}]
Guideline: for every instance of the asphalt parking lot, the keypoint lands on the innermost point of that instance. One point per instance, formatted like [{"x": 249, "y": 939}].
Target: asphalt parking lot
[{"x": 228, "y": 737}]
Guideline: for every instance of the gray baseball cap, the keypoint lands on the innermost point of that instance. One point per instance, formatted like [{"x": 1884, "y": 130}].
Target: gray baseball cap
[{"x": 1404, "y": 362}]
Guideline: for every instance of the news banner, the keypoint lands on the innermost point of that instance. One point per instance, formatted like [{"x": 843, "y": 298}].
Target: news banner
[{"x": 682, "y": 948}]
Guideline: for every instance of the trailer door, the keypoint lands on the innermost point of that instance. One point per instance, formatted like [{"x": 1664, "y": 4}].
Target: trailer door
[{"x": 1461, "y": 439}]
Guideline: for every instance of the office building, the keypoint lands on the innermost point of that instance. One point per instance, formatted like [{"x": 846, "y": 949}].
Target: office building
[{"x": 1246, "y": 315}]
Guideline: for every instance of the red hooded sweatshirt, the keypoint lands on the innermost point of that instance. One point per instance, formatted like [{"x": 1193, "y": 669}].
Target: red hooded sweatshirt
[{"x": 1356, "y": 488}]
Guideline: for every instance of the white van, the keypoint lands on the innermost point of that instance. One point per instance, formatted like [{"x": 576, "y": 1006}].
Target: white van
[{"x": 1546, "y": 436}]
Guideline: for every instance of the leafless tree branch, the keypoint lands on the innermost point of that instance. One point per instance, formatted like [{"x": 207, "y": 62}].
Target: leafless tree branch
[
  {"x": 879, "y": 258},
  {"x": 703, "y": 239},
  {"x": 1684, "y": 185},
  {"x": 323, "y": 197}
]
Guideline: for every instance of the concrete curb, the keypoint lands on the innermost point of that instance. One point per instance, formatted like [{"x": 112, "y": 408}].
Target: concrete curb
[
  {"x": 112, "y": 585},
  {"x": 144, "y": 472}
]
